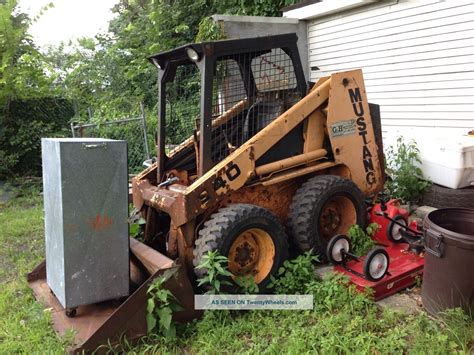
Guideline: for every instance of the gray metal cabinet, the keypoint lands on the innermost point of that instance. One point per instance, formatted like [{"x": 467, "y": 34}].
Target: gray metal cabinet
[{"x": 85, "y": 186}]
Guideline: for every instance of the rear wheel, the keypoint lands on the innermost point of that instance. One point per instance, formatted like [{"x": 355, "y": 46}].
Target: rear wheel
[
  {"x": 394, "y": 230},
  {"x": 322, "y": 207},
  {"x": 251, "y": 237}
]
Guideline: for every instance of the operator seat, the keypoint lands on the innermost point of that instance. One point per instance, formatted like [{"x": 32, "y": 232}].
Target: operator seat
[{"x": 260, "y": 114}]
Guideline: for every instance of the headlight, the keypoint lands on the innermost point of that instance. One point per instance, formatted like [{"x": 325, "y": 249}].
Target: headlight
[
  {"x": 155, "y": 61},
  {"x": 192, "y": 54}
]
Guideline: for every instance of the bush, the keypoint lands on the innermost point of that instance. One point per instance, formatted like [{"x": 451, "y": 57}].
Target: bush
[
  {"x": 294, "y": 275},
  {"x": 23, "y": 124},
  {"x": 406, "y": 178},
  {"x": 362, "y": 240}
]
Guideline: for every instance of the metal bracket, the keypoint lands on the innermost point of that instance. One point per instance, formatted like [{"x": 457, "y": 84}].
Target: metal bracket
[
  {"x": 93, "y": 146},
  {"x": 437, "y": 250}
]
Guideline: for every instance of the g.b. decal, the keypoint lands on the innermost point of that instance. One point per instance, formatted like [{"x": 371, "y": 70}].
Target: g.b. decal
[{"x": 343, "y": 128}]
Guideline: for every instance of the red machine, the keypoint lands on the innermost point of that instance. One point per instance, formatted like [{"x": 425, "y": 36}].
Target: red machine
[{"x": 394, "y": 264}]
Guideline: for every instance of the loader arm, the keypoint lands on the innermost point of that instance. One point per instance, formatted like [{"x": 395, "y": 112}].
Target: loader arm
[{"x": 350, "y": 132}]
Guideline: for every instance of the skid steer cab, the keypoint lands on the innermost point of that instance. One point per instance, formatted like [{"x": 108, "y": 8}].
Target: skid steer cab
[{"x": 260, "y": 160}]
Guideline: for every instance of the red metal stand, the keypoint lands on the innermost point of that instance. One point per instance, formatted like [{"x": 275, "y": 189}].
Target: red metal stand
[{"x": 405, "y": 265}]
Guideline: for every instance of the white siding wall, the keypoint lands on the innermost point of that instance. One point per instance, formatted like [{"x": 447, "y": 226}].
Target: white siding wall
[{"x": 417, "y": 58}]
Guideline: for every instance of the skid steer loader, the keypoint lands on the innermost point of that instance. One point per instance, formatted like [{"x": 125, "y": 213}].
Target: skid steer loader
[{"x": 260, "y": 161}]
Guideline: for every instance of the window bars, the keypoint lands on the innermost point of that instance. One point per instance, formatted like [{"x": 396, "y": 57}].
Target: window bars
[{"x": 249, "y": 91}]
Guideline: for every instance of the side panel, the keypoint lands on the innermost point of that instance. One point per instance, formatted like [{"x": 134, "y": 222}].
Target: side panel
[
  {"x": 351, "y": 131},
  {"x": 53, "y": 217}
]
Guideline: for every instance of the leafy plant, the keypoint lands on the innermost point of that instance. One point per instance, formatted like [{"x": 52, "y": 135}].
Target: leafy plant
[
  {"x": 136, "y": 223},
  {"x": 362, "y": 240},
  {"x": 247, "y": 284},
  {"x": 334, "y": 293},
  {"x": 216, "y": 272},
  {"x": 294, "y": 274},
  {"x": 406, "y": 178},
  {"x": 160, "y": 306},
  {"x": 210, "y": 30}
]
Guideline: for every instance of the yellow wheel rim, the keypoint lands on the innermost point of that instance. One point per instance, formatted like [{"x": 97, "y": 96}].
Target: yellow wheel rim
[{"x": 252, "y": 253}]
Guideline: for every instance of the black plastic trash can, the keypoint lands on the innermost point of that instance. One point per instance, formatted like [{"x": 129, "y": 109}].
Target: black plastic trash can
[{"x": 448, "y": 277}]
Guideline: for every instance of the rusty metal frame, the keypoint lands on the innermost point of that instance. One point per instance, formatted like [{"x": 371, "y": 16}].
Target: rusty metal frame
[{"x": 107, "y": 322}]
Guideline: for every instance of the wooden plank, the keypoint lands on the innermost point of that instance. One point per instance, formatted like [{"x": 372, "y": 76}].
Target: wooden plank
[
  {"x": 420, "y": 67},
  {"x": 354, "y": 25},
  {"x": 383, "y": 44},
  {"x": 434, "y": 93},
  {"x": 427, "y": 115},
  {"x": 458, "y": 100},
  {"x": 387, "y": 57},
  {"x": 435, "y": 50},
  {"x": 441, "y": 107},
  {"x": 447, "y": 81},
  {"x": 385, "y": 13},
  {"x": 405, "y": 72},
  {"x": 429, "y": 123},
  {"x": 414, "y": 30}
]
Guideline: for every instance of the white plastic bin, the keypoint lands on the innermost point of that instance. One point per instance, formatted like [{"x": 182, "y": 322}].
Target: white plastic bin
[{"x": 448, "y": 161}]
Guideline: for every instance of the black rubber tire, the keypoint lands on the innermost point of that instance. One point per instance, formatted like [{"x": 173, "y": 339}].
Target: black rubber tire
[
  {"x": 443, "y": 197},
  {"x": 392, "y": 225},
  {"x": 221, "y": 229},
  {"x": 331, "y": 244},
  {"x": 371, "y": 254},
  {"x": 307, "y": 205}
]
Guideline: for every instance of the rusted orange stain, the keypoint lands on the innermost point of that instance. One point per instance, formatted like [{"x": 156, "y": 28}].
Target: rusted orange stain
[{"x": 100, "y": 223}]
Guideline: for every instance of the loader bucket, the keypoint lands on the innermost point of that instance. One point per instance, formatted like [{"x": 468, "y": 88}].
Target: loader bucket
[{"x": 107, "y": 322}]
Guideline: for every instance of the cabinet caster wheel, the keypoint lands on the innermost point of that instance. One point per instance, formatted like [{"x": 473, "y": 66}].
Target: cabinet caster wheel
[{"x": 71, "y": 312}]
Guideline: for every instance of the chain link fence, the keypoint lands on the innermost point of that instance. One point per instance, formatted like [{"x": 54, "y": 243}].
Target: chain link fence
[{"x": 132, "y": 130}]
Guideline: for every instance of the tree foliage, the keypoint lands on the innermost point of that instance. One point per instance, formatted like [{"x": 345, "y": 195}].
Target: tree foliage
[
  {"x": 109, "y": 73},
  {"x": 29, "y": 104},
  {"x": 23, "y": 70}
]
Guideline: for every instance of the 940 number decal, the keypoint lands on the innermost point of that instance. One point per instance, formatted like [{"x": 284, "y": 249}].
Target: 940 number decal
[{"x": 231, "y": 172}]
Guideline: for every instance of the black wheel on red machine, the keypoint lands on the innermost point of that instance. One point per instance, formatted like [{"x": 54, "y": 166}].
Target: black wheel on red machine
[
  {"x": 322, "y": 207},
  {"x": 336, "y": 246},
  {"x": 376, "y": 264},
  {"x": 394, "y": 230}
]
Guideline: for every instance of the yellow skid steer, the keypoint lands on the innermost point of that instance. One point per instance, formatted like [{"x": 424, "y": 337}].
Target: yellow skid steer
[{"x": 251, "y": 161}]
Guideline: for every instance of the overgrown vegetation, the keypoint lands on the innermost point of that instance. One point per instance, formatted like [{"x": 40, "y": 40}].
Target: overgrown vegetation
[
  {"x": 406, "y": 180},
  {"x": 216, "y": 274},
  {"x": 160, "y": 307},
  {"x": 24, "y": 324},
  {"x": 293, "y": 276},
  {"x": 342, "y": 321},
  {"x": 31, "y": 105},
  {"x": 361, "y": 240}
]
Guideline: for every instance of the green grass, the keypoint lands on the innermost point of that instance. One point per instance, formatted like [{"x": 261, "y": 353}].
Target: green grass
[
  {"x": 343, "y": 320},
  {"x": 24, "y": 325}
]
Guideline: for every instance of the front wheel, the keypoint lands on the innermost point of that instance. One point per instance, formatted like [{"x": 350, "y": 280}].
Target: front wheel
[
  {"x": 336, "y": 247},
  {"x": 376, "y": 264},
  {"x": 251, "y": 237}
]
